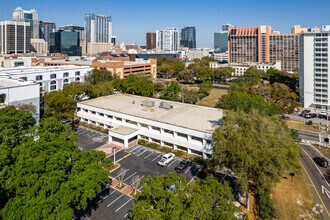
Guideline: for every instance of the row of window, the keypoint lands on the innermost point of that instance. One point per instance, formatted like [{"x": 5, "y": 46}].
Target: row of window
[
  {"x": 180, "y": 135},
  {"x": 54, "y": 76},
  {"x": 53, "y": 84}
]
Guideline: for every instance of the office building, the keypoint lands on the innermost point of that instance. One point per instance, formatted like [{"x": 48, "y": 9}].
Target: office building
[
  {"x": 170, "y": 39},
  {"x": 15, "y": 37},
  {"x": 18, "y": 92},
  {"x": 77, "y": 28},
  {"x": 221, "y": 39},
  {"x": 39, "y": 46},
  {"x": 67, "y": 42},
  {"x": 123, "y": 69},
  {"x": 45, "y": 28},
  {"x": 170, "y": 124},
  {"x": 93, "y": 49},
  {"x": 314, "y": 70},
  {"x": 326, "y": 28},
  {"x": 48, "y": 78},
  {"x": 98, "y": 28},
  {"x": 262, "y": 45},
  {"x": 30, "y": 16},
  {"x": 151, "y": 40},
  {"x": 196, "y": 54},
  {"x": 297, "y": 29},
  {"x": 188, "y": 37}
]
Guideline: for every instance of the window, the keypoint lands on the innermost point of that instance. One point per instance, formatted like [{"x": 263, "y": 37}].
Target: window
[
  {"x": 52, "y": 85},
  {"x": 23, "y": 78},
  {"x": 53, "y": 76},
  {"x": 77, "y": 73},
  {"x": 65, "y": 81},
  {"x": 66, "y": 74},
  {"x": 77, "y": 79},
  {"x": 39, "y": 77}
]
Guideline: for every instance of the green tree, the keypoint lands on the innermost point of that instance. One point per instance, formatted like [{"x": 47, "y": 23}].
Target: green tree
[
  {"x": 189, "y": 95},
  {"x": 97, "y": 76},
  {"x": 246, "y": 102},
  {"x": 59, "y": 105},
  {"x": 171, "y": 92},
  {"x": 168, "y": 197},
  {"x": 187, "y": 75},
  {"x": 205, "y": 88},
  {"x": 279, "y": 94},
  {"x": 223, "y": 73},
  {"x": 101, "y": 89},
  {"x": 77, "y": 90},
  {"x": 45, "y": 175},
  {"x": 169, "y": 65},
  {"x": 257, "y": 149}
]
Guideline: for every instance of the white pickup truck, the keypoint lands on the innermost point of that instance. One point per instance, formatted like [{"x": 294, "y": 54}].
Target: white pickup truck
[{"x": 166, "y": 159}]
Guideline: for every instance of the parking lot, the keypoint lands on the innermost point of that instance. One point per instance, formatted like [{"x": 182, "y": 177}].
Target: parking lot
[
  {"x": 139, "y": 161},
  {"x": 88, "y": 139}
]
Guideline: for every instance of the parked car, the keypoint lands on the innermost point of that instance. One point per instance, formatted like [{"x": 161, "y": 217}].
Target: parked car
[
  {"x": 321, "y": 161},
  {"x": 182, "y": 166},
  {"x": 167, "y": 158},
  {"x": 304, "y": 112}
]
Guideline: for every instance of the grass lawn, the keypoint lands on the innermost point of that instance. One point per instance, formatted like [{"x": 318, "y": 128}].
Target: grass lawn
[
  {"x": 300, "y": 125},
  {"x": 293, "y": 199},
  {"x": 212, "y": 99}
]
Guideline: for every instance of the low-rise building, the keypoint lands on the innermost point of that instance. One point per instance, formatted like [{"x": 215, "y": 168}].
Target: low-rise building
[
  {"x": 123, "y": 69},
  {"x": 17, "y": 92},
  {"x": 240, "y": 68},
  {"x": 49, "y": 78},
  {"x": 197, "y": 54},
  {"x": 15, "y": 61},
  {"x": 170, "y": 124}
]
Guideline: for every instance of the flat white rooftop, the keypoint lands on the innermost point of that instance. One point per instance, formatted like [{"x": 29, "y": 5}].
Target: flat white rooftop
[
  {"x": 8, "y": 82},
  {"x": 38, "y": 69},
  {"x": 184, "y": 115}
]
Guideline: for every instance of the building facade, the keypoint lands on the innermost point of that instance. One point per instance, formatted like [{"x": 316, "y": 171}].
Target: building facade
[
  {"x": 31, "y": 17},
  {"x": 240, "y": 68},
  {"x": 170, "y": 124},
  {"x": 314, "y": 77},
  {"x": 39, "y": 46},
  {"x": 220, "y": 42},
  {"x": 171, "y": 39},
  {"x": 188, "y": 37},
  {"x": 48, "y": 78},
  {"x": 123, "y": 69},
  {"x": 151, "y": 40},
  {"x": 15, "y": 37},
  {"x": 18, "y": 92},
  {"x": 98, "y": 28},
  {"x": 262, "y": 45},
  {"x": 66, "y": 42},
  {"x": 77, "y": 28},
  {"x": 45, "y": 28},
  {"x": 159, "y": 40},
  {"x": 92, "y": 49}
]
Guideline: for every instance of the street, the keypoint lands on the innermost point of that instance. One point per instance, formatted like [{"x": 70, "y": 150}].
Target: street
[{"x": 317, "y": 177}]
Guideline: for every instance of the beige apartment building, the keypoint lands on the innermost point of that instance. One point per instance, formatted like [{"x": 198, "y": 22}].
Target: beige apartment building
[
  {"x": 262, "y": 45},
  {"x": 123, "y": 69},
  {"x": 92, "y": 49}
]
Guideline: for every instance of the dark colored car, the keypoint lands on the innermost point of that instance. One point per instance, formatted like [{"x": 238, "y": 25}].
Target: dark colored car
[
  {"x": 321, "y": 161},
  {"x": 182, "y": 166}
]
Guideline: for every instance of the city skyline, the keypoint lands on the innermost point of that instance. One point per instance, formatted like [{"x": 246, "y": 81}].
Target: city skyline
[{"x": 132, "y": 20}]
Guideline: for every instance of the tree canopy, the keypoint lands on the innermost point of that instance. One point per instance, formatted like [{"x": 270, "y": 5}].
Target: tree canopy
[
  {"x": 258, "y": 149},
  {"x": 136, "y": 85},
  {"x": 171, "y": 92},
  {"x": 169, "y": 197},
  {"x": 98, "y": 76},
  {"x": 42, "y": 173},
  {"x": 170, "y": 65}
]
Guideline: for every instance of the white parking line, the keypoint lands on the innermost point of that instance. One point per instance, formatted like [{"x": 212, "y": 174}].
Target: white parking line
[
  {"x": 188, "y": 169},
  {"x": 172, "y": 162},
  {"x": 195, "y": 175},
  {"x": 140, "y": 188},
  {"x": 113, "y": 192},
  {"x": 130, "y": 176},
  {"x": 142, "y": 152},
  {"x": 133, "y": 149},
  {"x": 115, "y": 200},
  {"x": 123, "y": 205},
  {"x": 156, "y": 157},
  {"x": 149, "y": 155},
  {"x": 119, "y": 174},
  {"x": 126, "y": 215}
]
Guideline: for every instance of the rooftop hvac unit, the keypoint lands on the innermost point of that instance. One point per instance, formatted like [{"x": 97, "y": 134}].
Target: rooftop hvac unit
[
  {"x": 148, "y": 103},
  {"x": 165, "y": 105}
]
